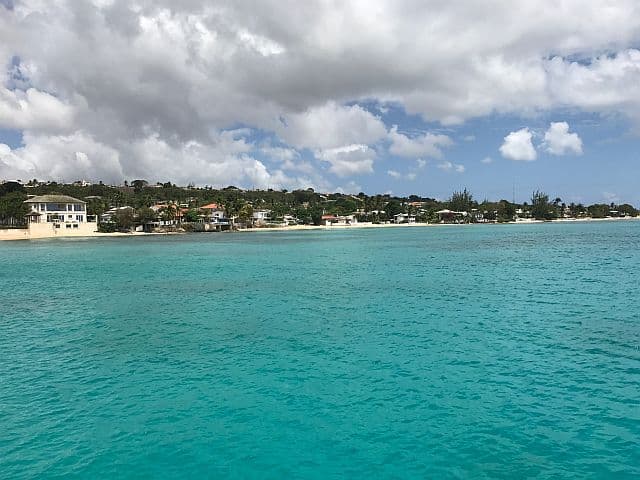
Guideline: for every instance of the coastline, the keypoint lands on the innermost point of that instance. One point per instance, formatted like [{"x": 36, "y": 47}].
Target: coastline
[
  {"x": 17, "y": 234},
  {"x": 22, "y": 234},
  {"x": 420, "y": 224}
]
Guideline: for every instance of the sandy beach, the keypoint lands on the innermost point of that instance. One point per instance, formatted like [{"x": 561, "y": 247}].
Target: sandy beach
[
  {"x": 418, "y": 224},
  {"x": 22, "y": 234}
]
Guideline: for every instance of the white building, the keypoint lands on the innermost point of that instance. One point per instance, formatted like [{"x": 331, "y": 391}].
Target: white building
[
  {"x": 110, "y": 214},
  {"x": 338, "y": 220},
  {"x": 52, "y": 215},
  {"x": 261, "y": 216},
  {"x": 58, "y": 210},
  {"x": 214, "y": 213},
  {"x": 404, "y": 218}
]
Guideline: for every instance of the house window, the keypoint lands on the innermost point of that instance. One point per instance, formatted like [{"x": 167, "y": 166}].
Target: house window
[
  {"x": 57, "y": 225},
  {"x": 75, "y": 225},
  {"x": 80, "y": 218},
  {"x": 68, "y": 225},
  {"x": 42, "y": 207},
  {"x": 56, "y": 207},
  {"x": 78, "y": 207}
]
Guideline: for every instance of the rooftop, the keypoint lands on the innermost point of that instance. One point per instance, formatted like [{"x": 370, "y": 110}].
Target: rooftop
[
  {"x": 53, "y": 199},
  {"x": 211, "y": 206}
]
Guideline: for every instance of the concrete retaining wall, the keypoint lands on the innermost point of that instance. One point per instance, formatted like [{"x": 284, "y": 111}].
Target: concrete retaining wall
[{"x": 48, "y": 230}]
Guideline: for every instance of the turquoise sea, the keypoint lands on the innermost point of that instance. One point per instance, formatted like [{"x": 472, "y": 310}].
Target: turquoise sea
[{"x": 452, "y": 352}]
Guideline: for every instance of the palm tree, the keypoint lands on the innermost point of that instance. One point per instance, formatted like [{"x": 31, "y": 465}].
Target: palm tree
[{"x": 169, "y": 212}]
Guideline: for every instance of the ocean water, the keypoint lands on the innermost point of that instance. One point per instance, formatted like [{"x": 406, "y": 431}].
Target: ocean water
[{"x": 452, "y": 352}]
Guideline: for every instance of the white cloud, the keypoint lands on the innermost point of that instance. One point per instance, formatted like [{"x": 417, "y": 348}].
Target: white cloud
[
  {"x": 486, "y": 160},
  {"x": 61, "y": 157},
  {"x": 34, "y": 110},
  {"x": 397, "y": 175},
  {"x": 175, "y": 71},
  {"x": 262, "y": 45},
  {"x": 280, "y": 153},
  {"x": 448, "y": 166},
  {"x": 518, "y": 146},
  {"x": 421, "y": 163},
  {"x": 331, "y": 126},
  {"x": 558, "y": 140},
  {"x": 348, "y": 160},
  {"x": 428, "y": 144},
  {"x": 75, "y": 156},
  {"x": 351, "y": 187}
]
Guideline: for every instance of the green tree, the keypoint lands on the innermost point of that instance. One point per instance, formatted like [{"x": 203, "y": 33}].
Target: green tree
[
  {"x": 393, "y": 208},
  {"x": 13, "y": 208},
  {"x": 461, "y": 201},
  {"x": 628, "y": 210},
  {"x": 145, "y": 216},
  {"x": 598, "y": 210},
  {"x": 506, "y": 211},
  {"x": 124, "y": 219},
  {"x": 191, "y": 215},
  {"x": 246, "y": 213},
  {"x": 541, "y": 209},
  {"x": 138, "y": 185},
  {"x": 169, "y": 213}
]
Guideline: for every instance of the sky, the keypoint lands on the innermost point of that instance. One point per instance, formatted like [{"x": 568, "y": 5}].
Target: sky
[{"x": 381, "y": 96}]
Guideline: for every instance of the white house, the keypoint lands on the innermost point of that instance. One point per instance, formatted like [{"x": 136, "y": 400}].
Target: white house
[
  {"x": 214, "y": 213},
  {"x": 110, "y": 214},
  {"x": 51, "y": 215},
  {"x": 261, "y": 216},
  {"x": 57, "y": 209},
  {"x": 404, "y": 218},
  {"x": 338, "y": 220}
]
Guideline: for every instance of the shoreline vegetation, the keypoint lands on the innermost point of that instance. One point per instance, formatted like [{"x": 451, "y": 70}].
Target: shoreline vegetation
[{"x": 140, "y": 209}]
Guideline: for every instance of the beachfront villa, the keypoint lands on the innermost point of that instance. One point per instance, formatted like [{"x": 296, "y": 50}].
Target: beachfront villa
[
  {"x": 451, "y": 216},
  {"x": 261, "y": 217},
  {"x": 214, "y": 217},
  {"x": 338, "y": 220},
  {"x": 61, "y": 211},
  {"x": 53, "y": 216},
  {"x": 214, "y": 213},
  {"x": 404, "y": 218}
]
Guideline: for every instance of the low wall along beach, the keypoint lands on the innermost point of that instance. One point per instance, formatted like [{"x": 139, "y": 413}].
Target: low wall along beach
[{"x": 48, "y": 230}]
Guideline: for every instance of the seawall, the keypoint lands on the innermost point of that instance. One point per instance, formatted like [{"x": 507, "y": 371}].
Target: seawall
[{"x": 48, "y": 230}]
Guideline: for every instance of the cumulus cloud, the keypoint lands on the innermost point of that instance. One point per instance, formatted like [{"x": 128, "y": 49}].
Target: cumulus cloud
[
  {"x": 118, "y": 76},
  {"x": 486, "y": 160},
  {"x": 558, "y": 140},
  {"x": 348, "y": 160},
  {"x": 34, "y": 110},
  {"x": 399, "y": 176},
  {"x": 62, "y": 157},
  {"x": 448, "y": 166},
  {"x": 331, "y": 126},
  {"x": 518, "y": 146},
  {"x": 70, "y": 157},
  {"x": 426, "y": 145}
]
